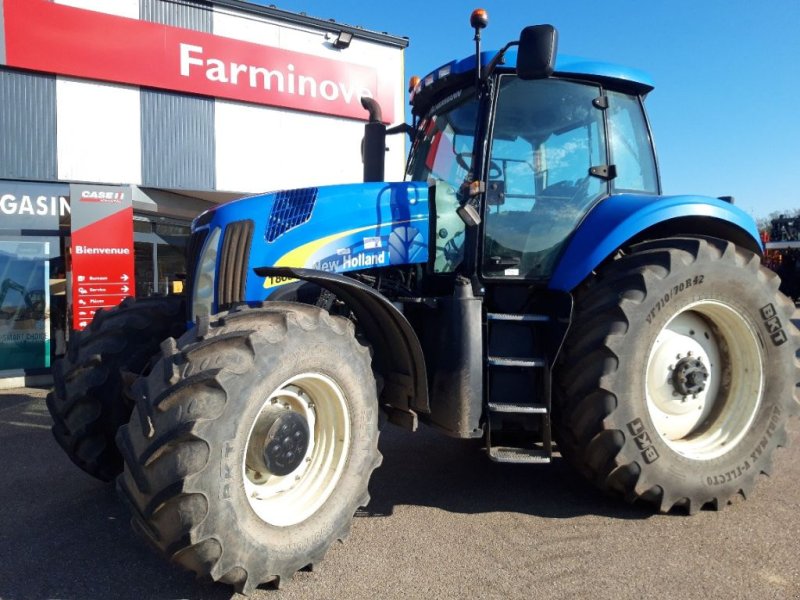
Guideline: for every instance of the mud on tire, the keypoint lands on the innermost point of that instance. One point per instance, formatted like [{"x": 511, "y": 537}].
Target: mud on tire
[
  {"x": 194, "y": 479},
  {"x": 88, "y": 402},
  {"x": 678, "y": 375}
]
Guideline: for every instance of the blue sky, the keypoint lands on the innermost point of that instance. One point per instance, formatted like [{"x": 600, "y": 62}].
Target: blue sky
[{"x": 726, "y": 108}]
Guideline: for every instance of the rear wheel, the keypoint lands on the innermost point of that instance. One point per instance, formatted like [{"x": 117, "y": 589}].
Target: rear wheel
[
  {"x": 252, "y": 443},
  {"x": 678, "y": 376},
  {"x": 88, "y": 402}
]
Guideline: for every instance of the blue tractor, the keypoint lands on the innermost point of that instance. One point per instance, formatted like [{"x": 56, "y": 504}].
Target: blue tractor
[{"x": 527, "y": 284}]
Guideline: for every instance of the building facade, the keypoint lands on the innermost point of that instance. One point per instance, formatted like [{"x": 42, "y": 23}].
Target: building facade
[{"x": 121, "y": 121}]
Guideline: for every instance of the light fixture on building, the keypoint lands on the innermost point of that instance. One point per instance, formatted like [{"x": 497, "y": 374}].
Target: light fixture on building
[{"x": 343, "y": 40}]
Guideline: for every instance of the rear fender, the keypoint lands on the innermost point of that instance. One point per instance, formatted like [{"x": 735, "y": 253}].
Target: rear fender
[
  {"x": 621, "y": 219},
  {"x": 398, "y": 354}
]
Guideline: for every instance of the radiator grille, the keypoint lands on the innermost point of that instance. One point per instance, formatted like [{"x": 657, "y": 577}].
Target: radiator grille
[
  {"x": 234, "y": 258},
  {"x": 291, "y": 208}
]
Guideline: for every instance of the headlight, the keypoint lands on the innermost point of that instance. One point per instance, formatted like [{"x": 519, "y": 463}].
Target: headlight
[{"x": 205, "y": 277}]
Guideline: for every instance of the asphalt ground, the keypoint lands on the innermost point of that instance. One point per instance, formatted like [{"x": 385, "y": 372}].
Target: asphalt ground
[{"x": 444, "y": 522}]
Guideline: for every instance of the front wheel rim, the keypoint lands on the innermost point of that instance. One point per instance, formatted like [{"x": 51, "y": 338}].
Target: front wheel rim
[
  {"x": 285, "y": 500},
  {"x": 708, "y": 414}
]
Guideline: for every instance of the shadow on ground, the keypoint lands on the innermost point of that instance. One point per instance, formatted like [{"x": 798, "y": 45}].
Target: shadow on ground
[
  {"x": 65, "y": 535},
  {"x": 428, "y": 469}
]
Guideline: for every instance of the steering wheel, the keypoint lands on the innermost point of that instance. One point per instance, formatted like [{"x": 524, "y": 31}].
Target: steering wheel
[{"x": 495, "y": 172}]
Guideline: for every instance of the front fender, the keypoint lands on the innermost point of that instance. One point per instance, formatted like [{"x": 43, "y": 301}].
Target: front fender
[
  {"x": 621, "y": 218},
  {"x": 398, "y": 352}
]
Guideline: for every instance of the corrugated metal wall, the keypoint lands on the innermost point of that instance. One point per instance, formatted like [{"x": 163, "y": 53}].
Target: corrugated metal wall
[
  {"x": 2, "y": 35},
  {"x": 27, "y": 125},
  {"x": 195, "y": 15},
  {"x": 177, "y": 130}
]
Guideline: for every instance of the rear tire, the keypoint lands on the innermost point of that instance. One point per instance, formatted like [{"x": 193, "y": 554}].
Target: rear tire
[
  {"x": 678, "y": 375},
  {"x": 195, "y": 475},
  {"x": 88, "y": 401}
]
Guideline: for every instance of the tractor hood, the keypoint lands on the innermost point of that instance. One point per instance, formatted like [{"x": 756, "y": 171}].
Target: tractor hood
[{"x": 330, "y": 228}]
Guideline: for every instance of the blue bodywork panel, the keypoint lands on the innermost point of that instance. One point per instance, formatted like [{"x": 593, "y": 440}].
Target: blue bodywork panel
[
  {"x": 336, "y": 229},
  {"x": 621, "y": 217}
]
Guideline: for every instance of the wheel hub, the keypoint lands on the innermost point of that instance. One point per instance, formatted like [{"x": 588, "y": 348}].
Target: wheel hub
[
  {"x": 286, "y": 442},
  {"x": 689, "y": 376},
  {"x": 297, "y": 449},
  {"x": 704, "y": 380}
]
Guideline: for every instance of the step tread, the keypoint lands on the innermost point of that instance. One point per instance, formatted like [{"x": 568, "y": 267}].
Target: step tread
[
  {"x": 510, "y": 454},
  {"x": 517, "y": 407},
  {"x": 510, "y": 361},
  {"x": 528, "y": 318}
]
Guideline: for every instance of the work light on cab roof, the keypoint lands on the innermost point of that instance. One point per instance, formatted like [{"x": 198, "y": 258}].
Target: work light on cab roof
[{"x": 479, "y": 19}]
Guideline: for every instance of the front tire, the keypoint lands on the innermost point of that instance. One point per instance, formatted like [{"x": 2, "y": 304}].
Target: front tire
[
  {"x": 678, "y": 375},
  {"x": 252, "y": 443}
]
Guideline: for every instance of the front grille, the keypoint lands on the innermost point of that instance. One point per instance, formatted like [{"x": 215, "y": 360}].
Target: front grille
[
  {"x": 234, "y": 257},
  {"x": 291, "y": 208},
  {"x": 193, "y": 249}
]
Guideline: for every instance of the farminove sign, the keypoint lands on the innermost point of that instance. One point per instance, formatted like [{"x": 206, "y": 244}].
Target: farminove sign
[
  {"x": 55, "y": 38},
  {"x": 195, "y": 62}
]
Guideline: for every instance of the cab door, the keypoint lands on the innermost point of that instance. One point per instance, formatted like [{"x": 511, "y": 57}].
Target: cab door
[{"x": 546, "y": 168}]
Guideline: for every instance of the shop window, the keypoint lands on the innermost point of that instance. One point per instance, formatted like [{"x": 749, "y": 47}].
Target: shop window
[{"x": 25, "y": 301}]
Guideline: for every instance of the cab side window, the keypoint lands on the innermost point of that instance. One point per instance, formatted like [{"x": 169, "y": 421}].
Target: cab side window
[{"x": 631, "y": 147}]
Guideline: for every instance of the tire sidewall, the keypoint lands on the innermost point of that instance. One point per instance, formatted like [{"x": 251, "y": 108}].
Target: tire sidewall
[{"x": 729, "y": 283}]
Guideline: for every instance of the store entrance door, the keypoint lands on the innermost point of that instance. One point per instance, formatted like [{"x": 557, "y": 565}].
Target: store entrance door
[{"x": 159, "y": 254}]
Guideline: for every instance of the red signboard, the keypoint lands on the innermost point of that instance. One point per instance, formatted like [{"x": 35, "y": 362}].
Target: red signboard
[
  {"x": 45, "y": 36},
  {"x": 102, "y": 250}
]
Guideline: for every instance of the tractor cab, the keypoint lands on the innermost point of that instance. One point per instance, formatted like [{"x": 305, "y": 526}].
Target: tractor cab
[{"x": 526, "y": 154}]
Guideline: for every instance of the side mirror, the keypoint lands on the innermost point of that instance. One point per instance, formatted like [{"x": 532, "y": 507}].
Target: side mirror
[{"x": 536, "y": 57}]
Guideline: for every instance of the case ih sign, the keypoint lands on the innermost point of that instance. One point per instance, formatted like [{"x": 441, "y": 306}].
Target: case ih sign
[
  {"x": 102, "y": 250},
  {"x": 44, "y": 36}
]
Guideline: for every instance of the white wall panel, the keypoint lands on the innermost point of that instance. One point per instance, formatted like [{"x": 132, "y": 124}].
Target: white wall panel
[
  {"x": 260, "y": 149},
  {"x": 388, "y": 60},
  {"x": 247, "y": 29},
  {"x": 121, "y": 8},
  {"x": 302, "y": 132},
  {"x": 99, "y": 132}
]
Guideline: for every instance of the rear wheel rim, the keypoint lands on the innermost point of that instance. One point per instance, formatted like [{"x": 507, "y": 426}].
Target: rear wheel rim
[
  {"x": 285, "y": 500},
  {"x": 706, "y": 416}
]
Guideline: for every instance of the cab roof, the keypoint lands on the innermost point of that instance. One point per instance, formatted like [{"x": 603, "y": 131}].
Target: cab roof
[{"x": 610, "y": 74}]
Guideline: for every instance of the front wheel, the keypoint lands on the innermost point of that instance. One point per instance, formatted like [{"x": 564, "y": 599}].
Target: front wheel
[
  {"x": 678, "y": 376},
  {"x": 252, "y": 443}
]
